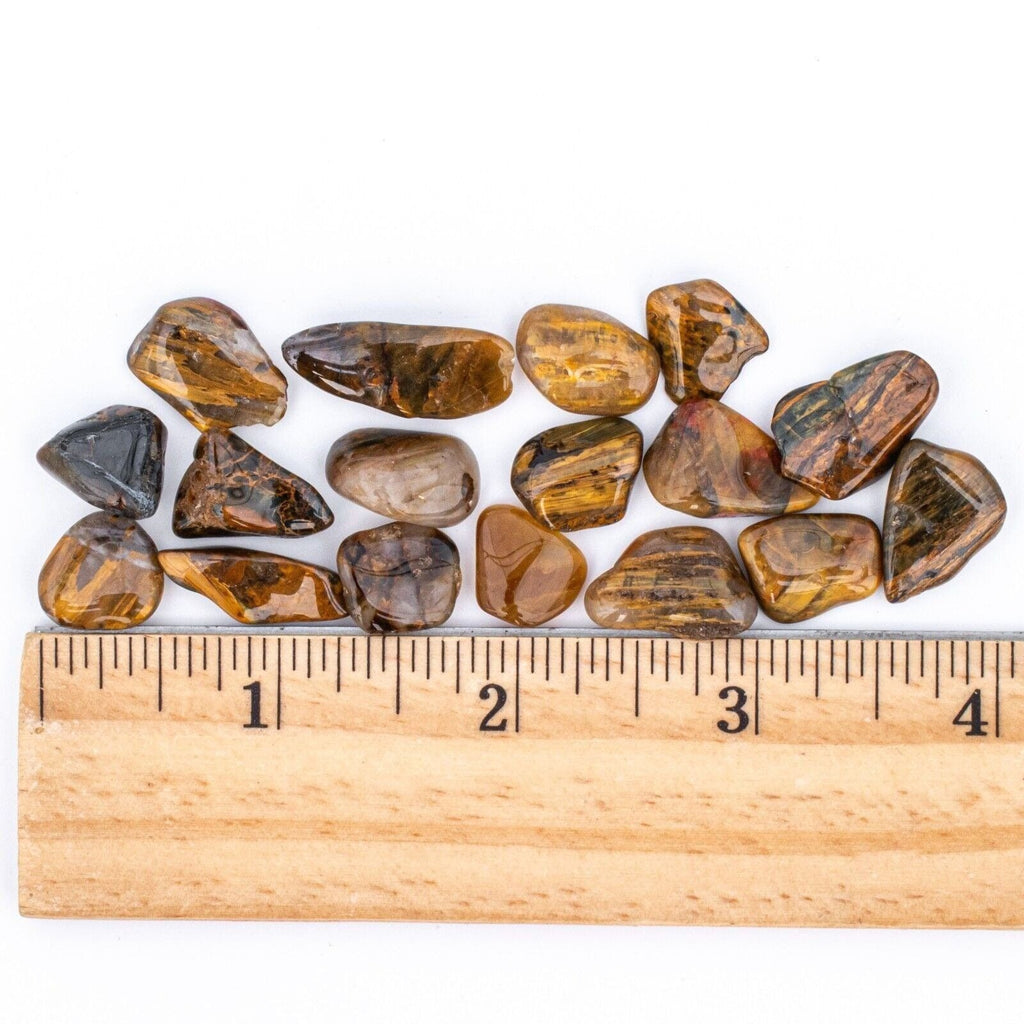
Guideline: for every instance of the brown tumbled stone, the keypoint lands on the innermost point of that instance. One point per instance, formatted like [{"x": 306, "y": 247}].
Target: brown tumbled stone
[
  {"x": 683, "y": 580},
  {"x": 526, "y": 574},
  {"x": 578, "y": 475},
  {"x": 800, "y": 566},
  {"x": 585, "y": 361},
  {"x": 708, "y": 461},
  {"x": 704, "y": 337}
]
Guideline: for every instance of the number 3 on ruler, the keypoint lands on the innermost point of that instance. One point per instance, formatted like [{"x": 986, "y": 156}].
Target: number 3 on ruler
[{"x": 736, "y": 708}]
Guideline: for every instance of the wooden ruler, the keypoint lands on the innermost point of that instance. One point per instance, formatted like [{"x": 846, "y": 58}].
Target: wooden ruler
[{"x": 778, "y": 779}]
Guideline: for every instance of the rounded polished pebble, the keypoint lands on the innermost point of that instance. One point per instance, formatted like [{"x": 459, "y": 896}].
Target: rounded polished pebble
[
  {"x": 103, "y": 574},
  {"x": 526, "y": 574},
  {"x": 803, "y": 565},
  {"x": 414, "y": 476}
]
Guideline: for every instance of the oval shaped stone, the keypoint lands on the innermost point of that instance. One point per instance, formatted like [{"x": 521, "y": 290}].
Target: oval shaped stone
[
  {"x": 586, "y": 361},
  {"x": 579, "y": 475},
  {"x": 710, "y": 461},
  {"x": 840, "y": 434},
  {"x": 414, "y": 476},
  {"x": 435, "y": 372},
  {"x": 683, "y": 580},
  {"x": 526, "y": 574},
  {"x": 103, "y": 574},
  {"x": 801, "y": 566}
]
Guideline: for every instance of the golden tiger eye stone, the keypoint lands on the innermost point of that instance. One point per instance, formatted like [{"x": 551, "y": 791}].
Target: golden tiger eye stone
[
  {"x": 526, "y": 574},
  {"x": 708, "y": 461},
  {"x": 103, "y": 574},
  {"x": 704, "y": 337},
  {"x": 585, "y": 361},
  {"x": 201, "y": 357},
  {"x": 683, "y": 580},
  {"x": 578, "y": 475},
  {"x": 800, "y": 566}
]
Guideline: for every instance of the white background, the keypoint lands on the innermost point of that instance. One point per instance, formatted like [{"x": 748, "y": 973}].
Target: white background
[{"x": 852, "y": 173}]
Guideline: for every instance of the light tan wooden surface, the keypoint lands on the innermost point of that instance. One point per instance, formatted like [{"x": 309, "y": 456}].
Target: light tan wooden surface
[{"x": 611, "y": 794}]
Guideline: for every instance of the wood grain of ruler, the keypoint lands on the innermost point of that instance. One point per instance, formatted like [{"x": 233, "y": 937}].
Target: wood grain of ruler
[{"x": 798, "y": 779}]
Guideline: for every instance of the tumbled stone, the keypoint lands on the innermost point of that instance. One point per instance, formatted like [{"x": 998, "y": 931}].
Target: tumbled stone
[
  {"x": 434, "y": 372},
  {"x": 103, "y": 574},
  {"x": 526, "y": 574},
  {"x": 257, "y": 587},
  {"x": 585, "y": 361},
  {"x": 113, "y": 459},
  {"x": 943, "y": 506},
  {"x": 800, "y": 566},
  {"x": 840, "y": 434},
  {"x": 200, "y": 356},
  {"x": 399, "y": 576},
  {"x": 683, "y": 580},
  {"x": 704, "y": 337},
  {"x": 578, "y": 475},
  {"x": 708, "y": 461},
  {"x": 414, "y": 476},
  {"x": 233, "y": 489}
]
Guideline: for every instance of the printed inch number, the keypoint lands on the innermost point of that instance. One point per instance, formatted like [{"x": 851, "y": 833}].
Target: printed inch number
[{"x": 742, "y": 719}]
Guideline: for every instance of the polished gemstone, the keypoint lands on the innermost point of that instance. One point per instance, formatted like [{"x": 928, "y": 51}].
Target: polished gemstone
[
  {"x": 586, "y": 361},
  {"x": 526, "y": 574},
  {"x": 201, "y": 357},
  {"x": 800, "y": 566},
  {"x": 838, "y": 435},
  {"x": 710, "y": 461},
  {"x": 943, "y": 506},
  {"x": 683, "y": 580},
  {"x": 256, "y": 587},
  {"x": 113, "y": 459},
  {"x": 434, "y": 372},
  {"x": 399, "y": 576},
  {"x": 414, "y": 476},
  {"x": 103, "y": 574},
  {"x": 704, "y": 337},
  {"x": 232, "y": 489},
  {"x": 578, "y": 475}
]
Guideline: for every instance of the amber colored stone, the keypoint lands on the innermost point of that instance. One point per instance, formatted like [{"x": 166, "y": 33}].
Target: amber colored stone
[
  {"x": 708, "y": 461},
  {"x": 435, "y": 372},
  {"x": 585, "y": 361},
  {"x": 256, "y": 587},
  {"x": 578, "y": 475},
  {"x": 840, "y": 434},
  {"x": 233, "y": 489},
  {"x": 683, "y": 580},
  {"x": 414, "y": 476},
  {"x": 943, "y": 506},
  {"x": 103, "y": 574},
  {"x": 800, "y": 566},
  {"x": 704, "y": 337},
  {"x": 526, "y": 574}
]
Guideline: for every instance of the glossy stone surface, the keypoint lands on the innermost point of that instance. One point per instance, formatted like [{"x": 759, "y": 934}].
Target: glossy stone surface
[
  {"x": 434, "y": 372},
  {"x": 943, "y": 506},
  {"x": 683, "y": 580},
  {"x": 414, "y": 476},
  {"x": 232, "y": 489},
  {"x": 526, "y": 574},
  {"x": 399, "y": 577},
  {"x": 838, "y": 435},
  {"x": 704, "y": 337},
  {"x": 113, "y": 459},
  {"x": 200, "y": 356},
  {"x": 103, "y": 574},
  {"x": 800, "y": 566},
  {"x": 578, "y": 475},
  {"x": 586, "y": 361},
  {"x": 256, "y": 587}
]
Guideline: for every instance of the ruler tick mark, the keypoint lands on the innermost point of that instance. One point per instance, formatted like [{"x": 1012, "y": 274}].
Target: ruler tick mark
[
  {"x": 667, "y": 649},
  {"x": 100, "y": 666},
  {"x": 278, "y": 679},
  {"x": 981, "y": 667},
  {"x": 444, "y": 648},
  {"x": 997, "y": 687},
  {"x": 323, "y": 655},
  {"x": 487, "y": 658},
  {"x": 591, "y": 655},
  {"x": 696, "y": 669},
  {"x": 352, "y": 653},
  {"x": 413, "y": 663},
  {"x": 71, "y": 655},
  {"x": 831, "y": 658},
  {"x": 56, "y": 654},
  {"x": 786, "y": 642},
  {"x": 188, "y": 640},
  {"x": 337, "y": 665},
  {"x": 561, "y": 654},
  {"x": 458, "y": 665},
  {"x": 472, "y": 655},
  {"x": 204, "y": 653},
  {"x": 85, "y": 653},
  {"x": 428, "y": 656},
  {"x": 711, "y": 647},
  {"x": 892, "y": 659},
  {"x": 817, "y": 674},
  {"x": 607, "y": 659},
  {"x": 743, "y": 657},
  {"x": 577, "y": 668},
  {"x": 398, "y": 671},
  {"x": 502, "y": 655},
  {"x": 846, "y": 660},
  {"x": 234, "y": 654},
  {"x": 42, "y": 701},
  {"x": 174, "y": 654},
  {"x": 801, "y": 656},
  {"x": 547, "y": 659},
  {"x": 220, "y": 663},
  {"x": 159, "y": 673},
  {"x": 757, "y": 686},
  {"x": 309, "y": 657},
  {"x": 518, "y": 660},
  {"x": 937, "y": 673},
  {"x": 531, "y": 656},
  {"x": 115, "y": 652},
  {"x": 771, "y": 654},
  {"x": 248, "y": 655},
  {"x": 878, "y": 676},
  {"x": 726, "y": 659},
  {"x": 369, "y": 671},
  {"x": 922, "y": 658},
  {"x": 636, "y": 681}
]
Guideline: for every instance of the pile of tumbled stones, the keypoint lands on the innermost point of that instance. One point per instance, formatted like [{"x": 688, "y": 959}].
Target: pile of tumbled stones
[{"x": 831, "y": 438}]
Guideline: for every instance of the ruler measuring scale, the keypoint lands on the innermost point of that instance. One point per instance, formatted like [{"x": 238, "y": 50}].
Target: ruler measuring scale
[{"x": 502, "y": 776}]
